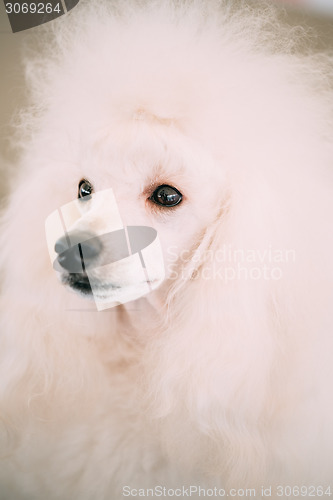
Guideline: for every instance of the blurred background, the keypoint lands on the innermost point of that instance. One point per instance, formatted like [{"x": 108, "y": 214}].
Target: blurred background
[{"x": 316, "y": 13}]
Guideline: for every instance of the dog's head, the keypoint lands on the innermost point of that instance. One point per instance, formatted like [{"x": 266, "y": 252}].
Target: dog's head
[
  {"x": 185, "y": 124},
  {"x": 139, "y": 212}
]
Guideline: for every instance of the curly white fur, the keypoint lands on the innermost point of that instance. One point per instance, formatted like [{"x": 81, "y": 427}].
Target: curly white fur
[{"x": 203, "y": 382}]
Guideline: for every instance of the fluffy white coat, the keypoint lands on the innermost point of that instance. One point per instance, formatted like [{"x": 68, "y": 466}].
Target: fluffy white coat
[{"x": 206, "y": 381}]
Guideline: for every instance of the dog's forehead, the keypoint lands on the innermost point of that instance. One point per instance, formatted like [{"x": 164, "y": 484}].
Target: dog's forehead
[
  {"x": 110, "y": 85},
  {"x": 138, "y": 147}
]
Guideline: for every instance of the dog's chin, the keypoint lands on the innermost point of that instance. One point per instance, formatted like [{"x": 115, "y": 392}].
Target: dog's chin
[
  {"x": 80, "y": 284},
  {"x": 102, "y": 291}
]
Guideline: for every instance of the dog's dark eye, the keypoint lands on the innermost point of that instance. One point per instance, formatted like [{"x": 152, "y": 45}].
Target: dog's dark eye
[
  {"x": 166, "y": 196},
  {"x": 84, "y": 189}
]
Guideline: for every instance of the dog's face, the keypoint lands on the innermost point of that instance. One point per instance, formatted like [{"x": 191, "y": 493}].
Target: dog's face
[
  {"x": 173, "y": 137},
  {"x": 149, "y": 174}
]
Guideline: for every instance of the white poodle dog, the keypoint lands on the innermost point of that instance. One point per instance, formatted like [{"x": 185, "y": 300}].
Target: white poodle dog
[{"x": 211, "y": 123}]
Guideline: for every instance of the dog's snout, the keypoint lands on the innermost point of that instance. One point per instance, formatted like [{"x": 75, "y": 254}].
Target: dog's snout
[
  {"x": 61, "y": 245},
  {"x": 77, "y": 251}
]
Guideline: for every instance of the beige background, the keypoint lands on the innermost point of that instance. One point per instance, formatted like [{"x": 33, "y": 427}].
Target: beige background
[
  {"x": 11, "y": 79},
  {"x": 12, "y": 91}
]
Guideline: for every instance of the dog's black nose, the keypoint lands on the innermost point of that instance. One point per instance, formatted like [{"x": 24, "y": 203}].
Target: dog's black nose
[{"x": 77, "y": 251}]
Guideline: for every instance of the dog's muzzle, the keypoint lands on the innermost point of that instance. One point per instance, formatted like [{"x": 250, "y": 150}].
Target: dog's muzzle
[{"x": 79, "y": 256}]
